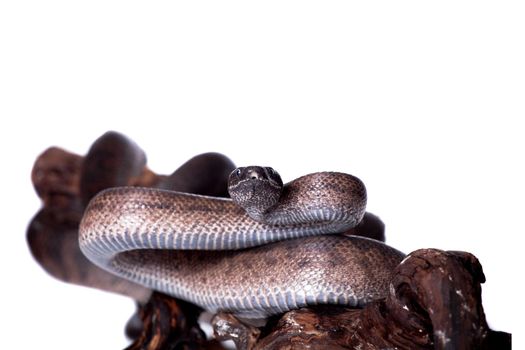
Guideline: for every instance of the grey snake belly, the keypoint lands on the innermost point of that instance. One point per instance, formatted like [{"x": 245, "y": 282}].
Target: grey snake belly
[{"x": 210, "y": 251}]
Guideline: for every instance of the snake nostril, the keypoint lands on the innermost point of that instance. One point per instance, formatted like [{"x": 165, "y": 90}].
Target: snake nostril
[{"x": 254, "y": 175}]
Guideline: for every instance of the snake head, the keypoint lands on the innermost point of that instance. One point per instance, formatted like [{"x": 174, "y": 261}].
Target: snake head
[{"x": 256, "y": 189}]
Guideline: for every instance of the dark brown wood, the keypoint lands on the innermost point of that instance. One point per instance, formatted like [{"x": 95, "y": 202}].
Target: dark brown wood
[
  {"x": 56, "y": 178},
  {"x": 228, "y": 327},
  {"x": 434, "y": 300},
  {"x": 371, "y": 226},
  {"x": 171, "y": 324},
  {"x": 113, "y": 160}
]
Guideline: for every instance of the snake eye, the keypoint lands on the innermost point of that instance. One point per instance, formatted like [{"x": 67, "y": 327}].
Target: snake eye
[{"x": 238, "y": 172}]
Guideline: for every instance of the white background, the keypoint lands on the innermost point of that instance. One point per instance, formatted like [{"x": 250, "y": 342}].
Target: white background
[{"x": 421, "y": 101}]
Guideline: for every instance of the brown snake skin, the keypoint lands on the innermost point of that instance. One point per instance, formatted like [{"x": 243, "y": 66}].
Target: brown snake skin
[{"x": 163, "y": 240}]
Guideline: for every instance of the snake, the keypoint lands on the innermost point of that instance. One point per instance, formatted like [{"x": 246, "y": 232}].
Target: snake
[{"x": 270, "y": 248}]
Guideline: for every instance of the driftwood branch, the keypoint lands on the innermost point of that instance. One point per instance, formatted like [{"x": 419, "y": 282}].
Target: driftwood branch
[{"x": 434, "y": 300}]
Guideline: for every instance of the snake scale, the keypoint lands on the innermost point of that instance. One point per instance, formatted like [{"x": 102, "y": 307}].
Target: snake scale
[{"x": 269, "y": 249}]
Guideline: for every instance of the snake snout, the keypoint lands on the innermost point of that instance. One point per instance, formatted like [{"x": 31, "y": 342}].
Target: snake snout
[{"x": 255, "y": 175}]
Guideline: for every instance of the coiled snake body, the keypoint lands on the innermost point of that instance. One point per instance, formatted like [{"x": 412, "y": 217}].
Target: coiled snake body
[{"x": 266, "y": 257}]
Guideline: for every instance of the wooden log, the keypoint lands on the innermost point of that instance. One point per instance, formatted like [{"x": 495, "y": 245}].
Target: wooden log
[{"x": 168, "y": 323}]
